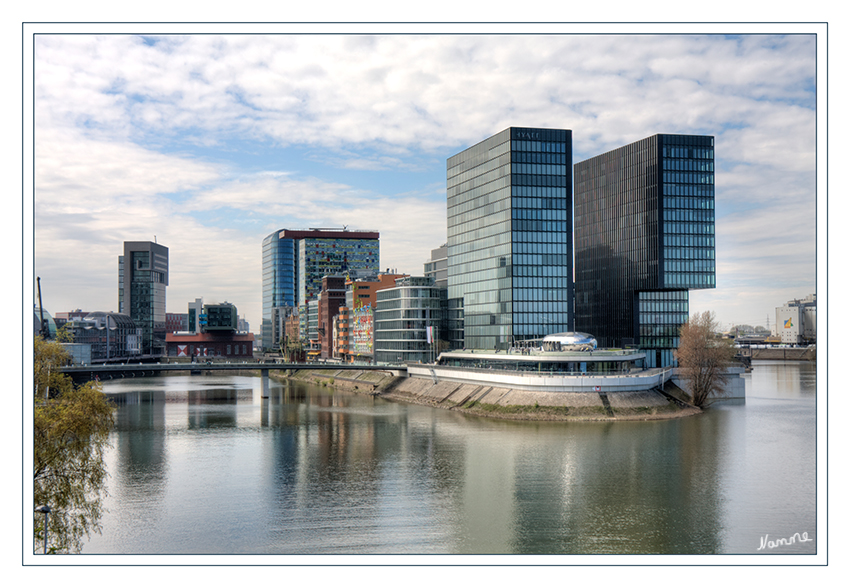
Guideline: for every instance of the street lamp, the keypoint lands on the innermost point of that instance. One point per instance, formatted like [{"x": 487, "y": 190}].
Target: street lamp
[{"x": 46, "y": 510}]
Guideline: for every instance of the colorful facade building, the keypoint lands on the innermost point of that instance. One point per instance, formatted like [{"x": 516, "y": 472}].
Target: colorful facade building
[
  {"x": 355, "y": 338},
  {"x": 295, "y": 261}
]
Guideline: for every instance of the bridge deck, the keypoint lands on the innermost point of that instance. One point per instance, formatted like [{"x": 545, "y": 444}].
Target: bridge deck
[{"x": 214, "y": 366}]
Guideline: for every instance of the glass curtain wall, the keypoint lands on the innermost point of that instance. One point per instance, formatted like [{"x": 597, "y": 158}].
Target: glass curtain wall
[
  {"x": 541, "y": 205},
  {"x": 509, "y": 238},
  {"x": 144, "y": 269},
  {"x": 407, "y": 321},
  {"x": 279, "y": 272},
  {"x": 687, "y": 170},
  {"x": 329, "y": 257},
  {"x": 617, "y": 239},
  {"x": 644, "y": 223}
]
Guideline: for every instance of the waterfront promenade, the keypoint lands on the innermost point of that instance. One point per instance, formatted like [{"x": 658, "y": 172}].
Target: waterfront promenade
[{"x": 502, "y": 393}]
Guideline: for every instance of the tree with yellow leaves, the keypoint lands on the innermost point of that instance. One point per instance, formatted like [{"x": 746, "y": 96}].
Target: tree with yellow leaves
[{"x": 71, "y": 427}]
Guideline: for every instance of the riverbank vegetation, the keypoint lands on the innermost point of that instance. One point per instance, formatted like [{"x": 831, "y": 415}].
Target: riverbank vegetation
[
  {"x": 71, "y": 427},
  {"x": 704, "y": 356}
]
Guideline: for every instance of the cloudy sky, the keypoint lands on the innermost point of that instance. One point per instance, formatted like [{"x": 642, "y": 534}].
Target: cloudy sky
[{"x": 209, "y": 142}]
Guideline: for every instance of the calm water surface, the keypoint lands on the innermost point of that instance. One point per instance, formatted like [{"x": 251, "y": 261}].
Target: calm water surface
[{"x": 204, "y": 465}]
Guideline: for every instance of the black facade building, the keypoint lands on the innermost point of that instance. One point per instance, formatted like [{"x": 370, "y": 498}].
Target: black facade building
[
  {"x": 644, "y": 237},
  {"x": 509, "y": 250}
]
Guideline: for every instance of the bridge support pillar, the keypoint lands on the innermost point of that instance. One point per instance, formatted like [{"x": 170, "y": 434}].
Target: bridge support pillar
[{"x": 264, "y": 375}]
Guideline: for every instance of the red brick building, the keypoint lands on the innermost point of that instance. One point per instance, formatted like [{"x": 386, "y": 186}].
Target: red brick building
[
  {"x": 225, "y": 345},
  {"x": 175, "y": 322},
  {"x": 331, "y": 298}
]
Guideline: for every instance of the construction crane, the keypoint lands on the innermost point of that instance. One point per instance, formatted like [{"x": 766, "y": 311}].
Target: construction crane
[{"x": 45, "y": 328}]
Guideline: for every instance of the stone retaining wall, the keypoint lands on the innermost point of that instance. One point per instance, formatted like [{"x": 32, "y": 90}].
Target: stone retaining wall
[
  {"x": 508, "y": 403},
  {"x": 504, "y": 403}
]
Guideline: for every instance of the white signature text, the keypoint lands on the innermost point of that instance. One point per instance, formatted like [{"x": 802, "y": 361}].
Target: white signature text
[{"x": 795, "y": 538}]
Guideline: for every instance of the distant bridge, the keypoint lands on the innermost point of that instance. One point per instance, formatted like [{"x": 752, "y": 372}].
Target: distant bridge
[{"x": 141, "y": 370}]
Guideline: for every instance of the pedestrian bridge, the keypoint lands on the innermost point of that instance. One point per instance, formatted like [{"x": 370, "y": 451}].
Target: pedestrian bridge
[{"x": 87, "y": 373}]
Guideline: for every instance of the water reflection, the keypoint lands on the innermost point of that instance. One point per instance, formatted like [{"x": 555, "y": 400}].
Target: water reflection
[{"x": 206, "y": 465}]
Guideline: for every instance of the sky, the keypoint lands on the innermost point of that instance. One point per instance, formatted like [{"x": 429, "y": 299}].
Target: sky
[{"x": 206, "y": 143}]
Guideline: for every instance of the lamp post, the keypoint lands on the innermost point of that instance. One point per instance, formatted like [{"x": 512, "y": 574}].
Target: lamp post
[{"x": 46, "y": 510}]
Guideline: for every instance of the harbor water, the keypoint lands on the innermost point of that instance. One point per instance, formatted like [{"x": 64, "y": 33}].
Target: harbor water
[{"x": 205, "y": 465}]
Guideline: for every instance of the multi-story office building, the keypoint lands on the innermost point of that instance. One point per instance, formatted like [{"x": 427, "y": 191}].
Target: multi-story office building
[
  {"x": 510, "y": 238},
  {"x": 142, "y": 279},
  {"x": 644, "y": 236},
  {"x": 220, "y": 317},
  {"x": 407, "y": 321},
  {"x": 295, "y": 261},
  {"x": 311, "y": 333},
  {"x": 437, "y": 268},
  {"x": 242, "y": 325},
  {"x": 196, "y": 309}
]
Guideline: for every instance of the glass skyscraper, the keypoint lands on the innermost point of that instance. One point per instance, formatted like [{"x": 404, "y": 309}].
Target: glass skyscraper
[
  {"x": 295, "y": 261},
  {"x": 142, "y": 279},
  {"x": 509, "y": 201},
  {"x": 644, "y": 236}
]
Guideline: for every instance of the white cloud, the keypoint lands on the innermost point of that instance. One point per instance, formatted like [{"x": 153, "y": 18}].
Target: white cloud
[
  {"x": 108, "y": 107},
  {"x": 429, "y": 90}
]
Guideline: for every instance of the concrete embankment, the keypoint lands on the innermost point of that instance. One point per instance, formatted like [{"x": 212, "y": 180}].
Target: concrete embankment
[
  {"x": 782, "y": 353},
  {"x": 505, "y": 403}
]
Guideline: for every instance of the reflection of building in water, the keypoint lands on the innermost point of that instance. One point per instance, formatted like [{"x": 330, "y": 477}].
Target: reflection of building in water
[
  {"x": 140, "y": 446},
  {"x": 212, "y": 408}
]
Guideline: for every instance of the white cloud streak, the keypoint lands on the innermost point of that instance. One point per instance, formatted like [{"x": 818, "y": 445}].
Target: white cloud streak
[{"x": 110, "y": 108}]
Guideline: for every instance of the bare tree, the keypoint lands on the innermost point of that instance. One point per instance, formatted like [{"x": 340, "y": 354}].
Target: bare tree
[{"x": 704, "y": 357}]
